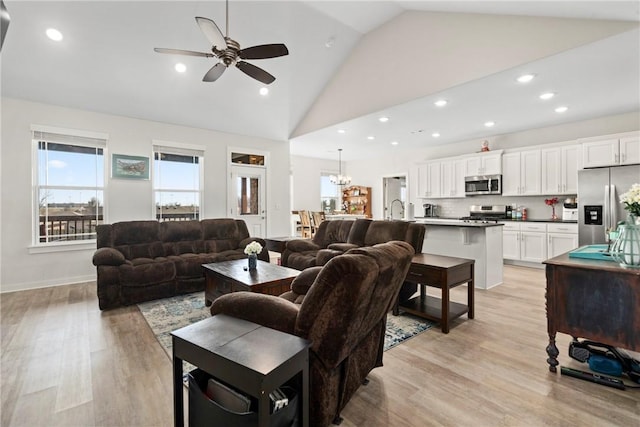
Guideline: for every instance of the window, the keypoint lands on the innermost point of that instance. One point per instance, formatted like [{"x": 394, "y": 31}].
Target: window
[
  {"x": 68, "y": 186},
  {"x": 177, "y": 183},
  {"x": 329, "y": 195}
]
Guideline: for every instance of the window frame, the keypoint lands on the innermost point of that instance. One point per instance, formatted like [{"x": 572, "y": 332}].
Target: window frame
[
  {"x": 338, "y": 194},
  {"x": 72, "y": 137},
  {"x": 181, "y": 149}
]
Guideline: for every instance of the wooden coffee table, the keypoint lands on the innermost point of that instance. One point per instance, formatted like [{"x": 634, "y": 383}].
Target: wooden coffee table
[{"x": 232, "y": 276}]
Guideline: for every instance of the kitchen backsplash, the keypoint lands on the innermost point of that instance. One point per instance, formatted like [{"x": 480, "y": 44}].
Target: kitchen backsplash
[{"x": 455, "y": 208}]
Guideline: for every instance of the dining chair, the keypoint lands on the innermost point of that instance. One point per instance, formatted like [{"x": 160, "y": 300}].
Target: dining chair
[{"x": 305, "y": 224}]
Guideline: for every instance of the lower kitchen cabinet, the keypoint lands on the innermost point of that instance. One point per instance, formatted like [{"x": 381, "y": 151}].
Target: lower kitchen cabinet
[
  {"x": 561, "y": 238},
  {"x": 537, "y": 241}
]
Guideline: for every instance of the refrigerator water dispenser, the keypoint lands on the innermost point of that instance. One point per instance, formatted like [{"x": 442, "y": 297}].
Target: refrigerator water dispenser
[{"x": 593, "y": 215}]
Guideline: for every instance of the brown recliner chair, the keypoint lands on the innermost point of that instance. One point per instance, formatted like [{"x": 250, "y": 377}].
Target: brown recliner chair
[{"x": 343, "y": 312}]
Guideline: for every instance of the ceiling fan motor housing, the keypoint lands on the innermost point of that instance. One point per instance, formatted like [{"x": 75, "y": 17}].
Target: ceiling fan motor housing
[{"x": 229, "y": 55}]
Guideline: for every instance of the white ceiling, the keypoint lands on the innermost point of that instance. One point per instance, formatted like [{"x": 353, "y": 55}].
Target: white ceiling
[{"x": 106, "y": 64}]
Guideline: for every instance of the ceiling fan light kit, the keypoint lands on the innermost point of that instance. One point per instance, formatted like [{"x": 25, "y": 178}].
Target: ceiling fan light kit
[{"x": 229, "y": 53}]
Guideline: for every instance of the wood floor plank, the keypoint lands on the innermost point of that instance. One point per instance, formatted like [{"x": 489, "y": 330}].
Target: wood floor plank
[{"x": 66, "y": 363}]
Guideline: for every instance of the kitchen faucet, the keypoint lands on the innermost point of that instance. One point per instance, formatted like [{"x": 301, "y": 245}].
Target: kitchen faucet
[{"x": 401, "y": 208}]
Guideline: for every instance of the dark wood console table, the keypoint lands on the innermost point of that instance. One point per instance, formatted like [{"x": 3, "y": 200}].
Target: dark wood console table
[
  {"x": 442, "y": 272},
  {"x": 253, "y": 358},
  {"x": 591, "y": 299}
]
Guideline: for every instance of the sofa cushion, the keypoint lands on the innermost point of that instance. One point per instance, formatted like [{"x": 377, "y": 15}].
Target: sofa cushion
[
  {"x": 190, "y": 265},
  {"x": 324, "y": 255},
  {"x": 146, "y": 273},
  {"x": 385, "y": 231},
  {"x": 358, "y": 231}
]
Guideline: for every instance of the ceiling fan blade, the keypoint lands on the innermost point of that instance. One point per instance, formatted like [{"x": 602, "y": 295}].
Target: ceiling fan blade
[
  {"x": 183, "y": 52},
  {"x": 264, "y": 51},
  {"x": 212, "y": 32},
  {"x": 255, "y": 72},
  {"x": 214, "y": 73}
]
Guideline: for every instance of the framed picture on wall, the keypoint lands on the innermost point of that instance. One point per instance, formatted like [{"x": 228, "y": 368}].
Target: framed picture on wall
[{"x": 129, "y": 167}]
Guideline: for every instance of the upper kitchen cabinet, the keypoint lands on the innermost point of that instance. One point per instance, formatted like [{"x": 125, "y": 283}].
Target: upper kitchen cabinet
[
  {"x": 521, "y": 173},
  {"x": 560, "y": 170},
  {"x": 488, "y": 163},
  {"x": 612, "y": 150},
  {"x": 429, "y": 180},
  {"x": 452, "y": 173}
]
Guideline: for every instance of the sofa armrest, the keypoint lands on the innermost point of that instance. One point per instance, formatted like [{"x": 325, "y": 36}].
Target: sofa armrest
[
  {"x": 108, "y": 256},
  {"x": 302, "y": 245},
  {"x": 266, "y": 310},
  {"x": 302, "y": 283}
]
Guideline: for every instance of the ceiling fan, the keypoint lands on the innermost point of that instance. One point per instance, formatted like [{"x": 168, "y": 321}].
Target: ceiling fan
[{"x": 229, "y": 53}]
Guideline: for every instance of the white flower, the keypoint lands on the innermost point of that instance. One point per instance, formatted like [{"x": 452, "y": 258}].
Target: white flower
[
  {"x": 631, "y": 199},
  {"x": 253, "y": 248}
]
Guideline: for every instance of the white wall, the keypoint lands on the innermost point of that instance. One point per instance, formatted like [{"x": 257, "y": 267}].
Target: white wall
[
  {"x": 124, "y": 200},
  {"x": 306, "y": 180}
]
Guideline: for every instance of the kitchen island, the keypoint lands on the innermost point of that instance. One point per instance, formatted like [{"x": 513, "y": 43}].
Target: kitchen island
[{"x": 481, "y": 242}]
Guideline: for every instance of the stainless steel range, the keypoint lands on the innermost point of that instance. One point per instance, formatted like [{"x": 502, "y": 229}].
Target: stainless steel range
[{"x": 486, "y": 213}]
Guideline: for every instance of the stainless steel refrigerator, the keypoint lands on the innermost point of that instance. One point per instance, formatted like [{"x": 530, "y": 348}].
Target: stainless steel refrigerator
[{"x": 599, "y": 207}]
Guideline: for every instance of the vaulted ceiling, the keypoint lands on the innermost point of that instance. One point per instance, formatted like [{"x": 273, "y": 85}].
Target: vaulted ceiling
[{"x": 349, "y": 64}]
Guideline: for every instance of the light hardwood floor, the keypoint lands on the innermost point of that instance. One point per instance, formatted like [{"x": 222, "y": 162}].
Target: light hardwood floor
[{"x": 65, "y": 363}]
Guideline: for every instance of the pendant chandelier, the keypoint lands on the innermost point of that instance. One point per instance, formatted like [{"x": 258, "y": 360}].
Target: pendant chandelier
[{"x": 340, "y": 179}]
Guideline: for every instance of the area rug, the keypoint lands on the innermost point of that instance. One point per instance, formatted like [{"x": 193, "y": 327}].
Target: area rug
[{"x": 169, "y": 314}]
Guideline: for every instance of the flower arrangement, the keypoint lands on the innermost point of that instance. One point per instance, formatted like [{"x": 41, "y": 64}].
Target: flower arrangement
[
  {"x": 631, "y": 200},
  {"x": 253, "y": 248},
  {"x": 551, "y": 202}
]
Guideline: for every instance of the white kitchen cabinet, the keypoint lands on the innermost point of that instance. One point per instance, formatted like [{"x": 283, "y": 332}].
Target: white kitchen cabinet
[
  {"x": 617, "y": 150},
  {"x": 525, "y": 241},
  {"x": 630, "y": 150},
  {"x": 429, "y": 180},
  {"x": 559, "y": 170},
  {"x": 489, "y": 163},
  {"x": 452, "y": 173},
  {"x": 561, "y": 238},
  {"x": 521, "y": 173}
]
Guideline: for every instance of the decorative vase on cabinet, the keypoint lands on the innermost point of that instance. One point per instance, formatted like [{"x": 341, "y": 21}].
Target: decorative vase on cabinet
[{"x": 626, "y": 249}]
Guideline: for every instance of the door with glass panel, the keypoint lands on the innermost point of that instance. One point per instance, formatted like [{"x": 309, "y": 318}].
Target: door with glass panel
[{"x": 247, "y": 197}]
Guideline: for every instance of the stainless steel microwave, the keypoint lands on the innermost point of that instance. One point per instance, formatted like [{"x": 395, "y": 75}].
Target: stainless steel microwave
[{"x": 487, "y": 184}]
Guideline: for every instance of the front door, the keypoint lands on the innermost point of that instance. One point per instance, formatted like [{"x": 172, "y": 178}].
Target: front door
[{"x": 247, "y": 197}]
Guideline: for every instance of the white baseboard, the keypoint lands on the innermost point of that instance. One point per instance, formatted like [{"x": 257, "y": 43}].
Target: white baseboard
[
  {"x": 524, "y": 263},
  {"x": 46, "y": 283}
]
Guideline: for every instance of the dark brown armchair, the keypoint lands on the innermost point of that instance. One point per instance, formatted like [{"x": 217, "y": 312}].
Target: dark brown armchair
[{"x": 343, "y": 308}]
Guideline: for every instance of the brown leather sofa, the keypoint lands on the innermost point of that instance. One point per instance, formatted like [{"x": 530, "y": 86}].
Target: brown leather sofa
[
  {"x": 145, "y": 260},
  {"x": 334, "y": 238},
  {"x": 342, "y": 311}
]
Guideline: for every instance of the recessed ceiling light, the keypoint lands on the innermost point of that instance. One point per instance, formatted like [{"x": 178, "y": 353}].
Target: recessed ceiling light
[
  {"x": 394, "y": 142},
  {"x": 329, "y": 43},
  {"x": 180, "y": 67},
  {"x": 435, "y": 135},
  {"x": 54, "y": 34},
  {"x": 440, "y": 103},
  {"x": 547, "y": 95},
  {"x": 371, "y": 137},
  {"x": 264, "y": 91},
  {"x": 489, "y": 124},
  {"x": 384, "y": 119},
  {"x": 561, "y": 109},
  {"x": 341, "y": 131},
  {"x": 525, "y": 78}
]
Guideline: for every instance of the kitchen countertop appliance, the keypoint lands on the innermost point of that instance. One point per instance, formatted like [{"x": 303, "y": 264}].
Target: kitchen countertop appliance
[
  {"x": 599, "y": 207},
  {"x": 485, "y": 213},
  {"x": 570, "y": 209},
  {"x": 430, "y": 210}
]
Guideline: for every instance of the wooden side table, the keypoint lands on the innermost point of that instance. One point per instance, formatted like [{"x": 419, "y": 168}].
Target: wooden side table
[
  {"x": 440, "y": 272},
  {"x": 252, "y": 358},
  {"x": 230, "y": 276}
]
